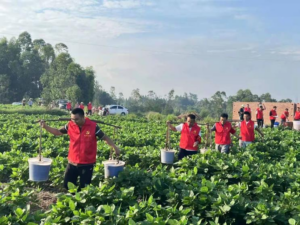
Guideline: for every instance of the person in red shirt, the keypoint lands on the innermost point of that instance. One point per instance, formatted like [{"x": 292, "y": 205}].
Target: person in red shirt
[
  {"x": 223, "y": 130},
  {"x": 260, "y": 115},
  {"x": 247, "y": 109},
  {"x": 297, "y": 114},
  {"x": 273, "y": 116},
  {"x": 247, "y": 127},
  {"x": 190, "y": 136},
  {"x": 83, "y": 135},
  {"x": 89, "y": 106},
  {"x": 284, "y": 116},
  {"x": 81, "y": 106},
  {"x": 69, "y": 106}
]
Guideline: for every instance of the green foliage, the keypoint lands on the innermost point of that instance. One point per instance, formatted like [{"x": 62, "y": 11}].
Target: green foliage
[{"x": 256, "y": 185}]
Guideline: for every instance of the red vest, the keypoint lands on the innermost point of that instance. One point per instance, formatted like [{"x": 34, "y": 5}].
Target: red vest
[
  {"x": 260, "y": 114},
  {"x": 297, "y": 115},
  {"x": 273, "y": 113},
  {"x": 81, "y": 106},
  {"x": 284, "y": 115},
  {"x": 188, "y": 138},
  {"x": 90, "y": 106},
  {"x": 247, "y": 131},
  {"x": 247, "y": 110},
  {"x": 69, "y": 105},
  {"x": 223, "y": 133},
  {"x": 83, "y": 144}
]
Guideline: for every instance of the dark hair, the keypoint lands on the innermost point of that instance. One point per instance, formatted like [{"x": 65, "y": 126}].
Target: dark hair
[
  {"x": 247, "y": 113},
  {"x": 286, "y": 109},
  {"x": 192, "y": 116},
  {"x": 274, "y": 107},
  {"x": 224, "y": 115},
  {"x": 78, "y": 111}
]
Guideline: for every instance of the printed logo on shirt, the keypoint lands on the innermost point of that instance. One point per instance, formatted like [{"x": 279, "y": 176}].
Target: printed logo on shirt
[
  {"x": 195, "y": 132},
  {"x": 87, "y": 134}
]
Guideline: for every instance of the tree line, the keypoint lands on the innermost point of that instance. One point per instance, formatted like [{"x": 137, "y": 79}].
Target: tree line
[{"x": 34, "y": 68}]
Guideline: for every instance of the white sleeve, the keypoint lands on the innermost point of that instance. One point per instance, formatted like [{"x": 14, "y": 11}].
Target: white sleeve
[{"x": 179, "y": 127}]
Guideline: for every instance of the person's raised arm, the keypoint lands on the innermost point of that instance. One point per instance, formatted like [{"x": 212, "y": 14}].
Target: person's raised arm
[{"x": 171, "y": 126}]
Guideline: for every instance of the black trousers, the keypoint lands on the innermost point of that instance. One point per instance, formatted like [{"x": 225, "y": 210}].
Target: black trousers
[
  {"x": 183, "y": 153},
  {"x": 272, "y": 123},
  {"x": 84, "y": 173},
  {"x": 260, "y": 122}
]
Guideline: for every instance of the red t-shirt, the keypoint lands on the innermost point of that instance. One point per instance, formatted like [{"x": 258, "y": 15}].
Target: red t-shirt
[
  {"x": 81, "y": 106},
  {"x": 273, "y": 113},
  {"x": 247, "y": 110},
  {"x": 284, "y": 115},
  {"x": 223, "y": 132},
  {"x": 260, "y": 114},
  {"x": 90, "y": 106},
  {"x": 297, "y": 115},
  {"x": 247, "y": 131}
]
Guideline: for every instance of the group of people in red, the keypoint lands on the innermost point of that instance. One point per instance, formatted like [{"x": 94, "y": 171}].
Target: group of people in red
[
  {"x": 90, "y": 109},
  {"x": 191, "y": 134},
  {"x": 273, "y": 114}
]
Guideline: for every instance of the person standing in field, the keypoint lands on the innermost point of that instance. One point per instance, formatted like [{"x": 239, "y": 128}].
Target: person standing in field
[
  {"x": 90, "y": 107},
  {"x": 284, "y": 116},
  {"x": 83, "y": 135},
  {"x": 30, "y": 102},
  {"x": 260, "y": 115},
  {"x": 24, "y": 102},
  {"x": 190, "y": 136},
  {"x": 241, "y": 113},
  {"x": 273, "y": 116},
  {"x": 223, "y": 130},
  {"x": 81, "y": 106},
  {"x": 247, "y": 134},
  {"x": 297, "y": 114},
  {"x": 247, "y": 109},
  {"x": 69, "y": 106}
]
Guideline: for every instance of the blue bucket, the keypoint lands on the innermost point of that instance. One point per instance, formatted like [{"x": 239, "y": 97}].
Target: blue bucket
[
  {"x": 167, "y": 157},
  {"x": 112, "y": 168},
  {"x": 276, "y": 123},
  {"x": 39, "y": 170}
]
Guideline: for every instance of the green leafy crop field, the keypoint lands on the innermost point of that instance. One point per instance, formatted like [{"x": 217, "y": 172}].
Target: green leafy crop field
[{"x": 257, "y": 185}]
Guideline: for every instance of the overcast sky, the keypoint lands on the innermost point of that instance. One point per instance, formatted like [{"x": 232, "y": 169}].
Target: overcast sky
[{"x": 197, "y": 46}]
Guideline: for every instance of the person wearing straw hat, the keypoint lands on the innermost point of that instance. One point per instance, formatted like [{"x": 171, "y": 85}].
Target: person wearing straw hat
[
  {"x": 273, "y": 116},
  {"x": 241, "y": 113},
  {"x": 223, "y": 129},
  {"x": 83, "y": 135},
  {"x": 190, "y": 136},
  {"x": 247, "y": 127}
]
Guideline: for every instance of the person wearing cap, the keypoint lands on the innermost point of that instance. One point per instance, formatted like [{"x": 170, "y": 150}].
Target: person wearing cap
[
  {"x": 284, "y": 116},
  {"x": 241, "y": 113},
  {"x": 297, "y": 114},
  {"x": 83, "y": 134},
  {"x": 273, "y": 116},
  {"x": 222, "y": 130},
  {"x": 260, "y": 115},
  {"x": 190, "y": 136},
  {"x": 247, "y": 127}
]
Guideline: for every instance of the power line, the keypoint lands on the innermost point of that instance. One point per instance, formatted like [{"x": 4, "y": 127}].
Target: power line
[{"x": 173, "y": 52}]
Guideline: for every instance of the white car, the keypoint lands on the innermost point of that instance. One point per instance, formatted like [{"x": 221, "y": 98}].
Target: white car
[{"x": 116, "y": 110}]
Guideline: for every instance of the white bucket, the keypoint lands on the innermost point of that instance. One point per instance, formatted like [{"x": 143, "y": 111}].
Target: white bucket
[
  {"x": 167, "y": 157},
  {"x": 39, "y": 170},
  {"x": 296, "y": 125},
  {"x": 112, "y": 168}
]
